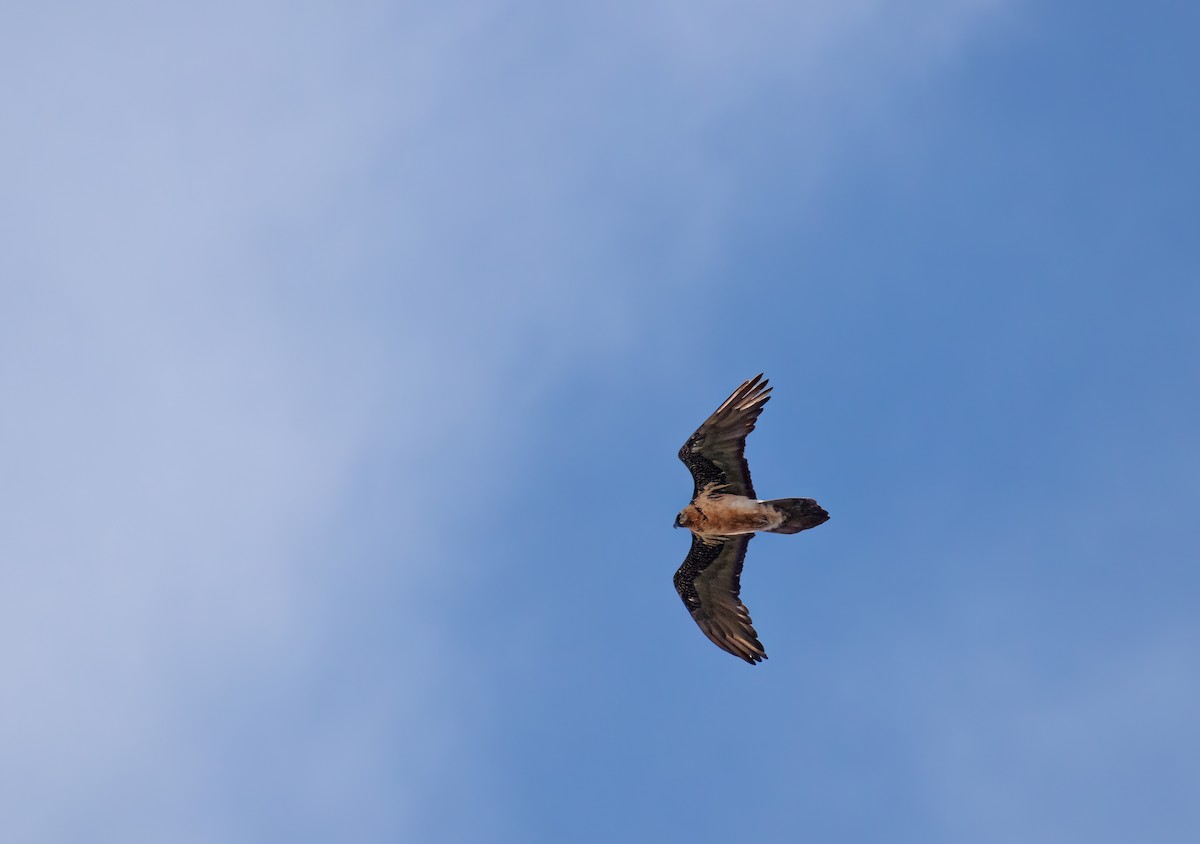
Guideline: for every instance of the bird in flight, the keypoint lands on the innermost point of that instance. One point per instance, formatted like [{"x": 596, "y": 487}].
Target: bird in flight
[{"x": 723, "y": 515}]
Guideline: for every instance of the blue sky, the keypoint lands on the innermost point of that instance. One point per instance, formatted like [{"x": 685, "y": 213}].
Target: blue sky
[{"x": 346, "y": 349}]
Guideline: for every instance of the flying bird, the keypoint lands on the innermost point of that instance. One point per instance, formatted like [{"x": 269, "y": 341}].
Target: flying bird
[{"x": 723, "y": 515}]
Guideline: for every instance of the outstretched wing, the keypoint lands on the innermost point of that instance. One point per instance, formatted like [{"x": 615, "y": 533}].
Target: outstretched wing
[
  {"x": 715, "y": 453},
  {"x": 708, "y": 582}
]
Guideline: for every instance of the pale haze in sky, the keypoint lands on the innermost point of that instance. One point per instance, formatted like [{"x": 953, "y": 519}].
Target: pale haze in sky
[{"x": 345, "y": 350}]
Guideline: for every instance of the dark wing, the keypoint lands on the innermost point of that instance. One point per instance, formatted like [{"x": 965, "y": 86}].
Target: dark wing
[
  {"x": 714, "y": 454},
  {"x": 708, "y": 582}
]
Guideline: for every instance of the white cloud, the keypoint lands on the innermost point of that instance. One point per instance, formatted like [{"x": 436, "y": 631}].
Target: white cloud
[{"x": 249, "y": 249}]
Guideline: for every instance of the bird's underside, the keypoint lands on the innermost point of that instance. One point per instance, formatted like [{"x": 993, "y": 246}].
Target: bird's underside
[
  {"x": 723, "y": 515},
  {"x": 714, "y": 514}
]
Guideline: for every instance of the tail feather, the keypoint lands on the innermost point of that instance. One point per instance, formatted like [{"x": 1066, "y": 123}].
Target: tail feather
[{"x": 799, "y": 514}]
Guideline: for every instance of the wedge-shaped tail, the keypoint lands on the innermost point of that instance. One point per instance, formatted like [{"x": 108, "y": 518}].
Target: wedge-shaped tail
[{"x": 799, "y": 514}]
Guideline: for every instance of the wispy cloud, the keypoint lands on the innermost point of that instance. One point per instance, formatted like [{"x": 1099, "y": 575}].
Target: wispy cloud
[
  {"x": 1090, "y": 749},
  {"x": 251, "y": 250}
]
